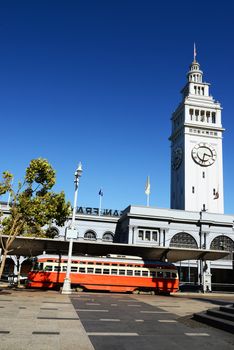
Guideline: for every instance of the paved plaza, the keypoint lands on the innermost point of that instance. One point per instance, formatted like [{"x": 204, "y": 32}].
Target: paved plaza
[{"x": 39, "y": 320}]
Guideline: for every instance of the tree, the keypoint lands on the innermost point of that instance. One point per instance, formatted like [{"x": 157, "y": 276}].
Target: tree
[{"x": 33, "y": 205}]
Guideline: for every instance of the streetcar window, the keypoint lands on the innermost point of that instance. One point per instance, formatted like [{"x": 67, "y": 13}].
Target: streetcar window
[
  {"x": 98, "y": 270},
  {"x": 167, "y": 274},
  {"x": 106, "y": 264},
  {"x": 114, "y": 271},
  {"x": 90, "y": 270},
  {"x": 114, "y": 264},
  {"x": 121, "y": 264},
  {"x": 82, "y": 269},
  {"x": 173, "y": 275},
  {"x": 74, "y": 269},
  {"x": 152, "y": 273},
  {"x": 65, "y": 261},
  {"x": 121, "y": 272},
  {"x": 38, "y": 266},
  {"x": 49, "y": 260},
  {"x": 129, "y": 272},
  {"x": 137, "y": 272},
  {"x": 159, "y": 274},
  {"x": 145, "y": 273},
  {"x": 98, "y": 263},
  {"x": 90, "y": 263},
  {"x": 64, "y": 268},
  {"x": 48, "y": 268},
  {"x": 106, "y": 271},
  {"x": 57, "y": 268}
]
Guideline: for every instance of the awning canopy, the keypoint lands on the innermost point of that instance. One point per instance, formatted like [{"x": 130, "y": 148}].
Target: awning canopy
[{"x": 29, "y": 246}]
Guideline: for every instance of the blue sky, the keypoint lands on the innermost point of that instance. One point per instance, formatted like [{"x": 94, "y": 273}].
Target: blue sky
[{"x": 97, "y": 81}]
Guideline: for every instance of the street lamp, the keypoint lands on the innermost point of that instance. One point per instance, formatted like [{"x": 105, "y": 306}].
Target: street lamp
[{"x": 72, "y": 233}]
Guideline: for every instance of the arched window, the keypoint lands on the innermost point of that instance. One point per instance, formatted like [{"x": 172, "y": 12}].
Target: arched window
[
  {"x": 183, "y": 240},
  {"x": 223, "y": 243},
  {"x": 91, "y": 235},
  {"x": 108, "y": 236},
  {"x": 52, "y": 232}
]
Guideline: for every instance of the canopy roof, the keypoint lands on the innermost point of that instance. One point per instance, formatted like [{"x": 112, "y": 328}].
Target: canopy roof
[{"x": 29, "y": 246}]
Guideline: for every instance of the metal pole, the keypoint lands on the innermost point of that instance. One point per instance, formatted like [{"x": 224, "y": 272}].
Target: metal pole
[
  {"x": 189, "y": 271},
  {"x": 100, "y": 204},
  {"x": 148, "y": 200},
  {"x": 67, "y": 281}
]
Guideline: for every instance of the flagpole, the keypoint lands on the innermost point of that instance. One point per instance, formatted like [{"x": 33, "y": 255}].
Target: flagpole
[
  {"x": 147, "y": 190},
  {"x": 100, "y": 204},
  {"x": 100, "y": 201},
  {"x": 148, "y": 200}
]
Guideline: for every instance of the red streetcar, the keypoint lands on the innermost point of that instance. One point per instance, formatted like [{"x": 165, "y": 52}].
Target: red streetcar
[{"x": 114, "y": 273}]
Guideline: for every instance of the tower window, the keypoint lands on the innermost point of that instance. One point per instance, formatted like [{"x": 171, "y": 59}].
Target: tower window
[
  {"x": 193, "y": 189},
  {"x": 203, "y": 174},
  {"x": 204, "y": 207},
  {"x": 213, "y": 118},
  {"x": 214, "y": 191},
  {"x": 202, "y": 116}
]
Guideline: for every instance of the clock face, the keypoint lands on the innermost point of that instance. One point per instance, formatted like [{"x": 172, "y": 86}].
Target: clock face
[
  {"x": 204, "y": 154},
  {"x": 177, "y": 157}
]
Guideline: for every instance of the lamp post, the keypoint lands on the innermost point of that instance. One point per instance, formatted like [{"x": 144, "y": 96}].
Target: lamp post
[{"x": 72, "y": 233}]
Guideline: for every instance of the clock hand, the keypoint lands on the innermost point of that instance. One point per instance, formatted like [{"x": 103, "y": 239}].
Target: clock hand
[{"x": 207, "y": 155}]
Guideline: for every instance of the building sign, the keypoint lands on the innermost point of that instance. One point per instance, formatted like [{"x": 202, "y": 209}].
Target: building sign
[{"x": 95, "y": 211}]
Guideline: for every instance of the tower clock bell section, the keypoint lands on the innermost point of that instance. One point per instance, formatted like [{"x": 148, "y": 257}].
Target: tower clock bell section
[{"x": 196, "y": 148}]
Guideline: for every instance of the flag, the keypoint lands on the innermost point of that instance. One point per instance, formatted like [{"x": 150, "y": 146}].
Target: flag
[
  {"x": 147, "y": 186},
  {"x": 100, "y": 193}
]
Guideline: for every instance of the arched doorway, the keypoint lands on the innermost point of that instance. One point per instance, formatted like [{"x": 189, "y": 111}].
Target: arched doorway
[
  {"x": 221, "y": 277},
  {"x": 223, "y": 242},
  {"x": 188, "y": 274},
  {"x": 183, "y": 240}
]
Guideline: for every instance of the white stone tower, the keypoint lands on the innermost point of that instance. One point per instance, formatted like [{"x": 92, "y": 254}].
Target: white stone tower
[{"x": 196, "y": 148}]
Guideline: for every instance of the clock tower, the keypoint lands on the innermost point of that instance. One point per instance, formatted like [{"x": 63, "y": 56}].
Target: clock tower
[{"x": 196, "y": 148}]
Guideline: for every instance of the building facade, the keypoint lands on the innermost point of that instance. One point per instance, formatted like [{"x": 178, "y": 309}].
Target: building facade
[{"x": 196, "y": 218}]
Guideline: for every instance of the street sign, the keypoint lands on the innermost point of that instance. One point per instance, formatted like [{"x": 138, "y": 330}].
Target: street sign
[{"x": 71, "y": 233}]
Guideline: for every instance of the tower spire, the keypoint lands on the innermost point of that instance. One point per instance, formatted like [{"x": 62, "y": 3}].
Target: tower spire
[
  {"x": 194, "y": 52},
  {"x": 195, "y": 74}
]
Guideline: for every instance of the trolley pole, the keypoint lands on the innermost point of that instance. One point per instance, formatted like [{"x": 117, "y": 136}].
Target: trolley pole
[{"x": 71, "y": 233}]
